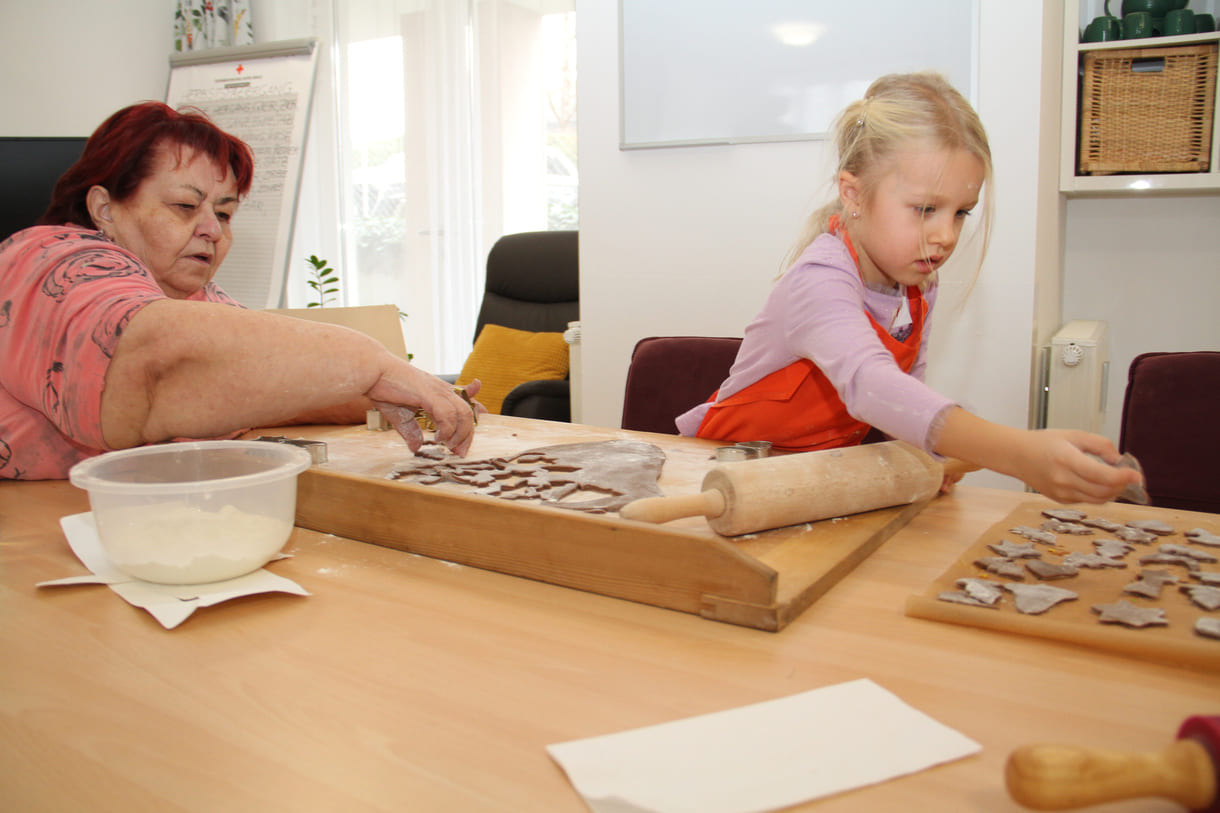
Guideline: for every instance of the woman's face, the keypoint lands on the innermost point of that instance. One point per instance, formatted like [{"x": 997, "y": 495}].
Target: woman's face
[{"x": 178, "y": 220}]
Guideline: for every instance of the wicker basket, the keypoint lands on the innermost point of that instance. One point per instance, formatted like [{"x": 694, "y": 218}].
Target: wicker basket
[{"x": 1147, "y": 109}]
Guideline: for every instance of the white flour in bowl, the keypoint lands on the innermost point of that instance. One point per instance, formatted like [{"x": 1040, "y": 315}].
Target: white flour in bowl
[{"x": 175, "y": 543}]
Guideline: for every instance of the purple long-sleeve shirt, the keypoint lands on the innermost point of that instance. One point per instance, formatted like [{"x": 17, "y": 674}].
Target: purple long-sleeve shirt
[{"x": 817, "y": 311}]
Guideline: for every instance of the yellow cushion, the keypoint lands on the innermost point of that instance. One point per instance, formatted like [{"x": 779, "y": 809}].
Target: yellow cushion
[{"x": 503, "y": 357}]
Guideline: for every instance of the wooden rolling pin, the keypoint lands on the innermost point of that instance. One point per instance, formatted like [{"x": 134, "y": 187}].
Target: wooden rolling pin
[
  {"x": 1059, "y": 777},
  {"x": 756, "y": 495}
]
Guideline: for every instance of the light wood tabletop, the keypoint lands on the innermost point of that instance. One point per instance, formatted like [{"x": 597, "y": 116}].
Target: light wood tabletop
[{"x": 409, "y": 683}]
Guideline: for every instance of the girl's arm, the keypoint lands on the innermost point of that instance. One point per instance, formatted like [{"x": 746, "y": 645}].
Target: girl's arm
[
  {"x": 198, "y": 369},
  {"x": 825, "y": 321},
  {"x": 1053, "y": 462}
]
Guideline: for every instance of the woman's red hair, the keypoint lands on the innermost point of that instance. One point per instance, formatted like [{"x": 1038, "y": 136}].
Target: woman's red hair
[{"x": 119, "y": 156}]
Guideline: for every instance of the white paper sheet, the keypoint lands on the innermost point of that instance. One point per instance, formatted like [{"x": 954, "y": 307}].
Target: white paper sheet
[
  {"x": 760, "y": 757},
  {"x": 170, "y": 604}
]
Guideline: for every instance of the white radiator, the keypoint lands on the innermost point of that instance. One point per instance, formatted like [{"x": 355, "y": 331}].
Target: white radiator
[{"x": 1078, "y": 377}]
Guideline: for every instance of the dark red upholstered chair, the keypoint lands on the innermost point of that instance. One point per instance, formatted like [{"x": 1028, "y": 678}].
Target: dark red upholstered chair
[
  {"x": 1170, "y": 423},
  {"x": 670, "y": 374}
]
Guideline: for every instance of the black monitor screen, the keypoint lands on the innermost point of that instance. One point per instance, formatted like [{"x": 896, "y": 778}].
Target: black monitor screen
[{"x": 29, "y": 168}]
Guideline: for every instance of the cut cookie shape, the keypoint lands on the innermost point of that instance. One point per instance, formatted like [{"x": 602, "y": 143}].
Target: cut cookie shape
[
  {"x": 1206, "y": 597},
  {"x": 1125, "y": 613},
  {"x": 611, "y": 472},
  {"x": 1207, "y": 577},
  {"x": 1014, "y": 550},
  {"x": 1001, "y": 566},
  {"x": 1064, "y": 514},
  {"x": 1169, "y": 559},
  {"x": 1093, "y": 561},
  {"x": 1034, "y": 535},
  {"x": 1035, "y": 599},
  {"x": 1048, "y": 571},
  {"x": 1208, "y": 627},
  {"x": 1202, "y": 537},
  {"x": 1058, "y": 526},
  {"x": 975, "y": 592},
  {"x": 1136, "y": 535},
  {"x": 1101, "y": 523},
  {"x": 962, "y": 597},
  {"x": 1112, "y": 548},
  {"x": 432, "y": 451},
  {"x": 1155, "y": 526},
  {"x": 982, "y": 590},
  {"x": 1150, "y": 583},
  {"x": 1188, "y": 552}
]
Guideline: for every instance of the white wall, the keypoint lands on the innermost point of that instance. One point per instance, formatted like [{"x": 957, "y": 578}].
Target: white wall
[{"x": 65, "y": 67}]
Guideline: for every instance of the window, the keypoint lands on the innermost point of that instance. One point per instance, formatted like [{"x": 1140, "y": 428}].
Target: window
[{"x": 458, "y": 125}]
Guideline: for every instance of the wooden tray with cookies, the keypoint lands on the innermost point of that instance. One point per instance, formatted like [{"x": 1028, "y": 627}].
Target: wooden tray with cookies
[{"x": 1136, "y": 580}]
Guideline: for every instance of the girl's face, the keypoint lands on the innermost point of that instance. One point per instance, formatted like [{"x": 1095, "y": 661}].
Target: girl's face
[
  {"x": 910, "y": 223},
  {"x": 178, "y": 220}
]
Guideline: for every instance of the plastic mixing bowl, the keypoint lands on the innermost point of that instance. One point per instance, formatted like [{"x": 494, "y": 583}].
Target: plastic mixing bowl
[{"x": 189, "y": 513}]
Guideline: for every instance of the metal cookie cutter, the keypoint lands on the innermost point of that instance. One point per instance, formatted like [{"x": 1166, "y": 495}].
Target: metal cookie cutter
[
  {"x": 428, "y": 424},
  {"x": 316, "y": 448}
]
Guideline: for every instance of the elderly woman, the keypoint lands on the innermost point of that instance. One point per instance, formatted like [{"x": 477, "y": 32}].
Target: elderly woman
[{"x": 113, "y": 335}]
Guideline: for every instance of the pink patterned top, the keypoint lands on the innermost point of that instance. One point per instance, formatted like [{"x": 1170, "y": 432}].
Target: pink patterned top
[{"x": 66, "y": 293}]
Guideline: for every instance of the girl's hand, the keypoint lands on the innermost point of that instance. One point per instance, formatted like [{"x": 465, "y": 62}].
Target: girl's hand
[{"x": 1058, "y": 463}]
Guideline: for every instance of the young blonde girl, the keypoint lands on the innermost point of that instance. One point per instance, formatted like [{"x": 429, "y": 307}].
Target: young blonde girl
[{"x": 841, "y": 344}]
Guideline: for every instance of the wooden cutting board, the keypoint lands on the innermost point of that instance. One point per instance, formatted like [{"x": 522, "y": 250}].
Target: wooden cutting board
[
  {"x": 759, "y": 580},
  {"x": 1075, "y": 621}
]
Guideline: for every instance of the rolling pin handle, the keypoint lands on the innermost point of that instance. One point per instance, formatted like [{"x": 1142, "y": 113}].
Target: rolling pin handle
[
  {"x": 708, "y": 504},
  {"x": 1061, "y": 777}
]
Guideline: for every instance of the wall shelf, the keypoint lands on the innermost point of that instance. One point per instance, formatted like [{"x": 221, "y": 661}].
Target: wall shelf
[{"x": 1122, "y": 185}]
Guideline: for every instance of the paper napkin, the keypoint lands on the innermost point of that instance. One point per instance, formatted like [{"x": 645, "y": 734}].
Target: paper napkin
[
  {"x": 170, "y": 604},
  {"x": 760, "y": 757}
]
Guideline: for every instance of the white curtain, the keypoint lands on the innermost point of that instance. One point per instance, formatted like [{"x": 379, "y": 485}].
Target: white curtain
[
  {"x": 443, "y": 148},
  {"x": 200, "y": 24}
]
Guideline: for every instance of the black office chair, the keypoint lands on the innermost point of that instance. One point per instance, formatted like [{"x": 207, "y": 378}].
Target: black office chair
[
  {"x": 29, "y": 168},
  {"x": 533, "y": 284}
]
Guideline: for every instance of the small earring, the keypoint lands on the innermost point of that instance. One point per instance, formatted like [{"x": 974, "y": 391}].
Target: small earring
[{"x": 856, "y": 213}]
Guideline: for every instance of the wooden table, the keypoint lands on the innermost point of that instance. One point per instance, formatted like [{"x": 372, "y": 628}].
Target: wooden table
[{"x": 406, "y": 683}]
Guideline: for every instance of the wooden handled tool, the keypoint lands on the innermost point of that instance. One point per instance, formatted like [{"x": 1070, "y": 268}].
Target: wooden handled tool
[
  {"x": 1059, "y": 777},
  {"x": 756, "y": 495}
]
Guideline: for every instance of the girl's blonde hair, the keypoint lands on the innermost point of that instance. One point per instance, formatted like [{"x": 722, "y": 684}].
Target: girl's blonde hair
[{"x": 897, "y": 111}]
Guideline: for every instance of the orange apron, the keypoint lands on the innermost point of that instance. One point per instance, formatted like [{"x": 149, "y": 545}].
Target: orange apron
[{"x": 796, "y": 407}]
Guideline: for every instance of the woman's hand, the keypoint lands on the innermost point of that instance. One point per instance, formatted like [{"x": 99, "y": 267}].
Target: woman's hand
[{"x": 404, "y": 390}]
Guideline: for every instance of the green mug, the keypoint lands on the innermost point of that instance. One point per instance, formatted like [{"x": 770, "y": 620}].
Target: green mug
[
  {"x": 1137, "y": 25},
  {"x": 1104, "y": 29},
  {"x": 1204, "y": 23},
  {"x": 1179, "y": 21}
]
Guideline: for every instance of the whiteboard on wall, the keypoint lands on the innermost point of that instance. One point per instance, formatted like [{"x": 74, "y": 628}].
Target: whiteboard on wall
[
  {"x": 731, "y": 71},
  {"x": 261, "y": 94}
]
